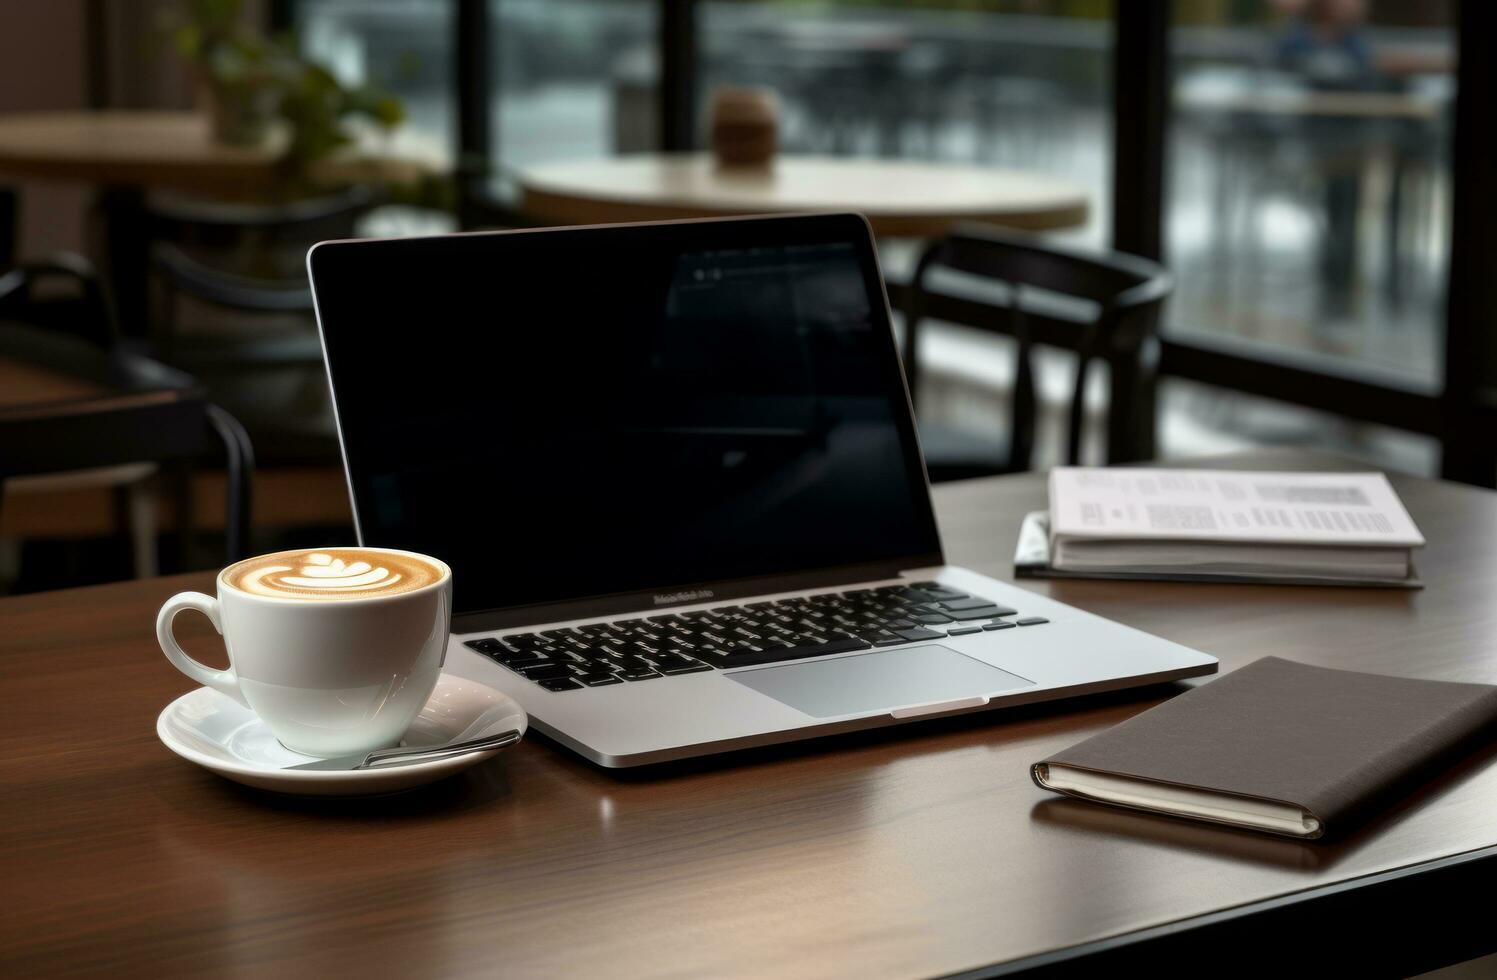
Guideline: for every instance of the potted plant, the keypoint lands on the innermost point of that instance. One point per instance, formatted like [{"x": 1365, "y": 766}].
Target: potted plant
[{"x": 249, "y": 83}]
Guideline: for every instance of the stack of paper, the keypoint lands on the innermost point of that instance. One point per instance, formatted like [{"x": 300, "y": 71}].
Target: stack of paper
[{"x": 1329, "y": 527}]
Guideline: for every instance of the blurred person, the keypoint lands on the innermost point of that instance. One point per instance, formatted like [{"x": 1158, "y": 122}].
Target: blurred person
[{"x": 1324, "y": 44}]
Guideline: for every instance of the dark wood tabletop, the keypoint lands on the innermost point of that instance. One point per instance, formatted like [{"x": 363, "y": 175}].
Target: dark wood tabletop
[{"x": 913, "y": 851}]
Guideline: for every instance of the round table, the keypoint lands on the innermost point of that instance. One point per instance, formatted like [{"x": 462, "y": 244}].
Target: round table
[{"x": 899, "y": 197}]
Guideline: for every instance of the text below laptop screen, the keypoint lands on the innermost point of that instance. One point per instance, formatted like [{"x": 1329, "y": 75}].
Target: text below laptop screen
[{"x": 645, "y": 409}]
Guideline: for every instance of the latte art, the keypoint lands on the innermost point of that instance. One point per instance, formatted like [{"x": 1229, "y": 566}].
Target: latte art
[{"x": 331, "y": 574}]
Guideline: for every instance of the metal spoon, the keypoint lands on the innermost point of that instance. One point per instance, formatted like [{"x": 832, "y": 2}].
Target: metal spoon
[{"x": 408, "y": 755}]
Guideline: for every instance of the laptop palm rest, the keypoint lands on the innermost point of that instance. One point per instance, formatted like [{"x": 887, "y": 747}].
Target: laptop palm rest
[{"x": 881, "y": 680}]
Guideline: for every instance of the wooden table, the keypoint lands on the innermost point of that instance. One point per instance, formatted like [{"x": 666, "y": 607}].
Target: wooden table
[
  {"x": 900, "y": 198},
  {"x": 915, "y": 851},
  {"x": 1406, "y": 106}
]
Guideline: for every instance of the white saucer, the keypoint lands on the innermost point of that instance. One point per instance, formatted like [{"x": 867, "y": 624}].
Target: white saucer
[{"x": 225, "y": 737}]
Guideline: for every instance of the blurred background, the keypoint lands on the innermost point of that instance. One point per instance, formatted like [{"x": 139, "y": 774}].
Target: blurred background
[{"x": 1287, "y": 171}]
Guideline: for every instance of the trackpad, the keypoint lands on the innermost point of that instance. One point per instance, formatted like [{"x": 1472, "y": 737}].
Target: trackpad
[{"x": 879, "y": 681}]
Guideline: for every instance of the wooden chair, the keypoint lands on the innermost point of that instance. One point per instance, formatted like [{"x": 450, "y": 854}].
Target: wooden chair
[{"x": 1127, "y": 293}]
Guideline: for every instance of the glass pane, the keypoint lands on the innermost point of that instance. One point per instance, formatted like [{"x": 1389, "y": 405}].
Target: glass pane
[
  {"x": 1198, "y": 420},
  {"x": 1310, "y": 179},
  {"x": 406, "y": 48},
  {"x": 573, "y": 79},
  {"x": 1021, "y": 84}
]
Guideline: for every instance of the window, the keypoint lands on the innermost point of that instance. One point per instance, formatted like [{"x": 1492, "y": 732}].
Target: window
[
  {"x": 1309, "y": 194},
  {"x": 1004, "y": 84},
  {"x": 573, "y": 79},
  {"x": 405, "y": 48}
]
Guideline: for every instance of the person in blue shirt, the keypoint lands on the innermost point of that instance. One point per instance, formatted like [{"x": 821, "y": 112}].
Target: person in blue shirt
[{"x": 1326, "y": 43}]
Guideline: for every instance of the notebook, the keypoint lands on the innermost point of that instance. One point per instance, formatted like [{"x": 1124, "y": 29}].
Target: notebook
[
  {"x": 1221, "y": 525},
  {"x": 1279, "y": 747}
]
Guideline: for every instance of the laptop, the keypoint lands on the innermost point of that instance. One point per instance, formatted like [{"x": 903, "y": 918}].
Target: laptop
[{"x": 676, "y": 474}]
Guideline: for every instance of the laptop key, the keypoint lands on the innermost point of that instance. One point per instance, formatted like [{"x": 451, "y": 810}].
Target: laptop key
[
  {"x": 1032, "y": 620},
  {"x": 920, "y": 633},
  {"x": 488, "y": 645},
  {"x": 599, "y": 680},
  {"x": 1002, "y": 624},
  {"x": 930, "y": 618},
  {"x": 518, "y": 660},
  {"x": 983, "y": 612},
  {"x": 561, "y": 684},
  {"x": 546, "y": 672},
  {"x": 968, "y": 603},
  {"x": 677, "y": 664},
  {"x": 638, "y": 675},
  {"x": 963, "y": 630}
]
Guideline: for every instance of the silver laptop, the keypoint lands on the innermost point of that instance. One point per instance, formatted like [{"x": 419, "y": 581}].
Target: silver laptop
[{"x": 674, "y": 469}]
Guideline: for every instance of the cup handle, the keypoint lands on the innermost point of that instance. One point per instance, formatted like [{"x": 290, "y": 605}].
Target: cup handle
[{"x": 223, "y": 681}]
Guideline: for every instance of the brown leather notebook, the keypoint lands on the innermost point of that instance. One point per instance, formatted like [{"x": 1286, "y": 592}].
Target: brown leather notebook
[{"x": 1277, "y": 746}]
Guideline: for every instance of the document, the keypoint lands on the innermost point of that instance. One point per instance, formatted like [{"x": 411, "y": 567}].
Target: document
[{"x": 1229, "y": 506}]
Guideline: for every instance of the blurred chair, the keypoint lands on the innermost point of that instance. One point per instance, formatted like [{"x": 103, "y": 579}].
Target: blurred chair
[
  {"x": 62, "y": 293},
  {"x": 234, "y": 308},
  {"x": 1127, "y": 293},
  {"x": 82, "y": 412},
  {"x": 9, "y": 227}
]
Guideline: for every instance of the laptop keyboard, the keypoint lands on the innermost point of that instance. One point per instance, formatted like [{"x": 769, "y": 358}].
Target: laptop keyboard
[{"x": 624, "y": 651}]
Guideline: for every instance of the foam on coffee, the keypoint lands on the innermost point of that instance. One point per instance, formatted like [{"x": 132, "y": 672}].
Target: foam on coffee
[{"x": 331, "y": 573}]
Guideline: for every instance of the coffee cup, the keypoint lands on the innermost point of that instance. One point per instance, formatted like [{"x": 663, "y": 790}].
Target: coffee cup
[
  {"x": 336, "y": 649},
  {"x": 745, "y": 124}
]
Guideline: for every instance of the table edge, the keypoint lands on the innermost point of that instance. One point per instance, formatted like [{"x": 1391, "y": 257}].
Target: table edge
[{"x": 1328, "y": 905}]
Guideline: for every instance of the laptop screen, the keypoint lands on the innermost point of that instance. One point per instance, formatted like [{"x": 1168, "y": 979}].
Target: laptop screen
[{"x": 641, "y": 409}]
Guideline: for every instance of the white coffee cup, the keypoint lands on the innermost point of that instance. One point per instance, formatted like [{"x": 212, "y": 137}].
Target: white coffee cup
[{"x": 327, "y": 676}]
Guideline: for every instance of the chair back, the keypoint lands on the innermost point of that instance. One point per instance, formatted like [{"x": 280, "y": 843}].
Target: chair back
[
  {"x": 86, "y": 312},
  {"x": 1127, "y": 291},
  {"x": 245, "y": 256}
]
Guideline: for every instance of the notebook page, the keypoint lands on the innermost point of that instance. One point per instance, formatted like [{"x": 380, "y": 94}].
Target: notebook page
[{"x": 1229, "y": 505}]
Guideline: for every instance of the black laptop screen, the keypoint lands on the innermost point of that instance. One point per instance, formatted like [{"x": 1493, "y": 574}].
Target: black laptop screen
[{"x": 629, "y": 410}]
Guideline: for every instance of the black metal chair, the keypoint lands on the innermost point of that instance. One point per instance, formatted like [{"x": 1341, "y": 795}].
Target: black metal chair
[
  {"x": 131, "y": 410},
  {"x": 30, "y": 293},
  {"x": 247, "y": 261},
  {"x": 9, "y": 225},
  {"x": 1127, "y": 293}
]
